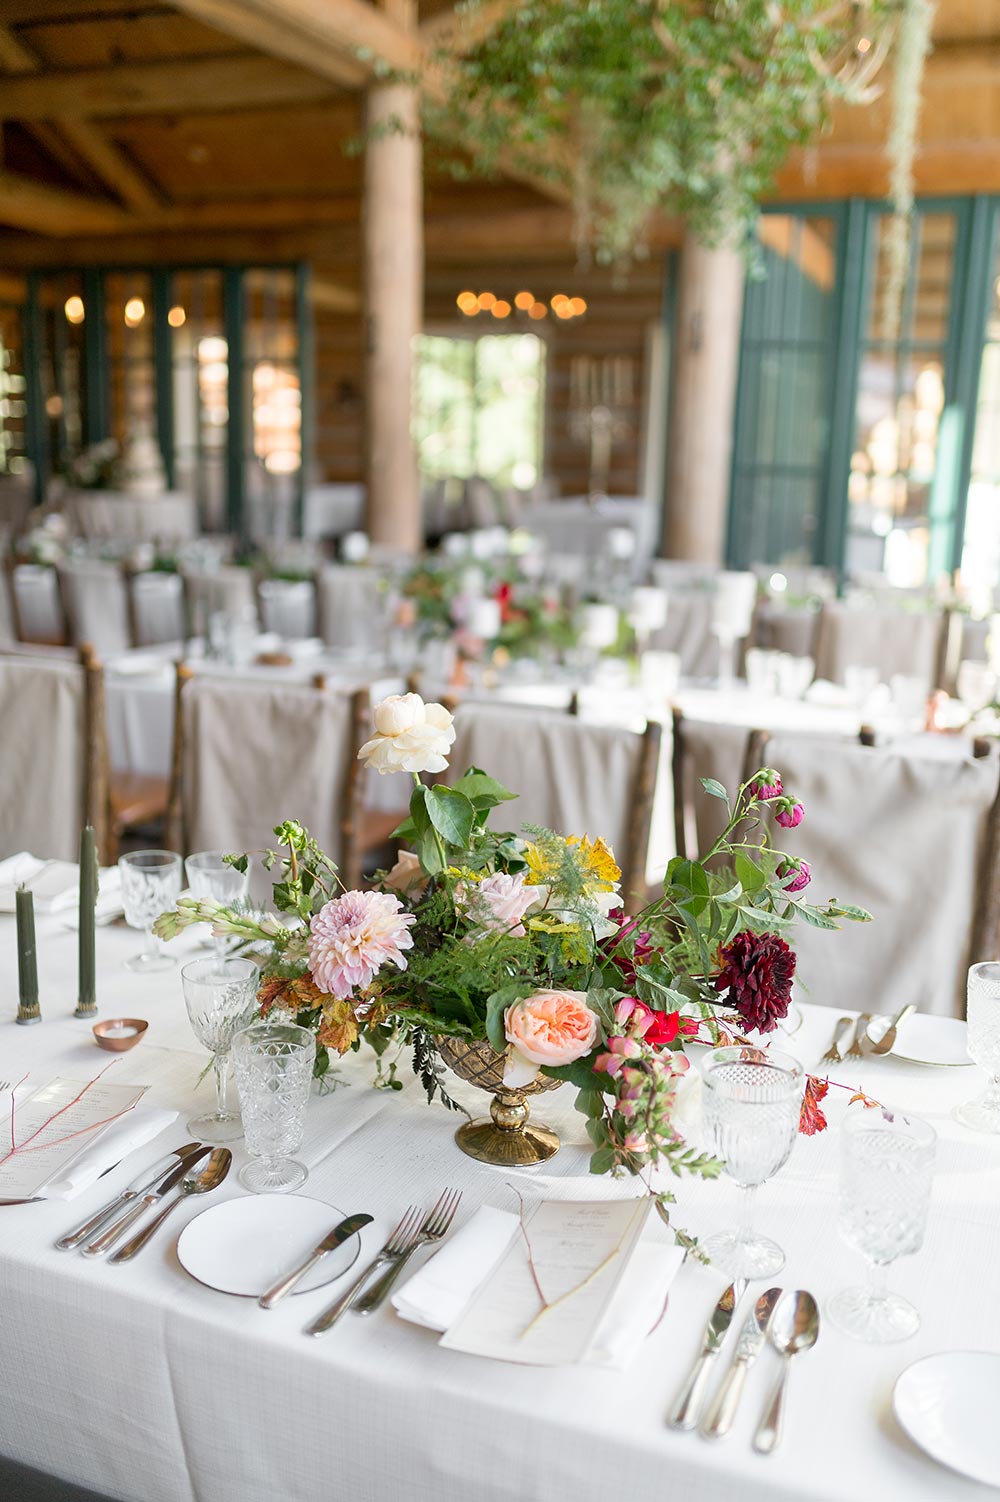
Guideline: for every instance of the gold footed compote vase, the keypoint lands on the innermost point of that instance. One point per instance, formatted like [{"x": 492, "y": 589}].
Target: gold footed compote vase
[{"x": 509, "y": 1139}]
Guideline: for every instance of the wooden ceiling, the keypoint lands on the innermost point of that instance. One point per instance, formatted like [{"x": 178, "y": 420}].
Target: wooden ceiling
[{"x": 144, "y": 129}]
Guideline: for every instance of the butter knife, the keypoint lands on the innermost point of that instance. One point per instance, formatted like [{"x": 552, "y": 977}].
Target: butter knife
[
  {"x": 684, "y": 1414},
  {"x": 156, "y": 1192},
  {"x": 720, "y": 1416},
  {"x": 339, "y": 1234},
  {"x": 140, "y": 1185}
]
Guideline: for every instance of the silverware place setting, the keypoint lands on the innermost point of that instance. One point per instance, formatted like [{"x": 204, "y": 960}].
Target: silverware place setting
[
  {"x": 198, "y": 1180},
  {"x": 344, "y": 1229},
  {"x": 722, "y": 1410},
  {"x": 143, "y": 1201},
  {"x": 415, "y": 1229},
  {"x": 141, "y": 1185}
]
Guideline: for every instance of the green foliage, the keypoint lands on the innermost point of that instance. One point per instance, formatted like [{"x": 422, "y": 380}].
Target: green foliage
[{"x": 686, "y": 106}]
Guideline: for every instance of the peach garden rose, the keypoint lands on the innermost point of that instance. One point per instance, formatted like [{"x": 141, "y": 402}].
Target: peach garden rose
[{"x": 548, "y": 1027}]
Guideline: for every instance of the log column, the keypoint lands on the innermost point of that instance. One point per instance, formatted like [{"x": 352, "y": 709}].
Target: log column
[
  {"x": 393, "y": 301},
  {"x": 703, "y": 401}
]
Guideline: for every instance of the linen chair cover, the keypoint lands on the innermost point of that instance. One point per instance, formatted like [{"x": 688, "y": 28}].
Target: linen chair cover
[
  {"x": 288, "y": 607},
  {"x": 253, "y": 754},
  {"x": 229, "y": 590},
  {"x": 330, "y": 510},
  {"x": 688, "y": 632},
  {"x": 7, "y": 633},
  {"x": 348, "y": 597},
  {"x": 158, "y": 608},
  {"x": 905, "y": 837},
  {"x": 778, "y": 628},
  {"x": 480, "y": 502},
  {"x": 894, "y": 641},
  {"x": 705, "y": 749},
  {"x": 570, "y": 775},
  {"x": 42, "y": 706},
  {"x": 97, "y": 604},
  {"x": 38, "y": 602}
]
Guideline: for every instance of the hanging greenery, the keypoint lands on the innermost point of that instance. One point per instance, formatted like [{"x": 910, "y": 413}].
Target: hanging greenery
[
  {"x": 686, "y": 106},
  {"x": 909, "y": 55}
]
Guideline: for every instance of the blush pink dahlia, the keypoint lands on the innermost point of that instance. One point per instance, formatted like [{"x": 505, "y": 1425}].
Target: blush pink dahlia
[{"x": 353, "y": 936}]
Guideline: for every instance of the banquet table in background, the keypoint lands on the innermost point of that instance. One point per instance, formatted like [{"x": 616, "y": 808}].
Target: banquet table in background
[{"x": 148, "y": 1387}]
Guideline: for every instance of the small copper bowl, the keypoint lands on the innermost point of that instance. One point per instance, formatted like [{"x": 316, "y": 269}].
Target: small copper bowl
[{"x": 119, "y": 1034}]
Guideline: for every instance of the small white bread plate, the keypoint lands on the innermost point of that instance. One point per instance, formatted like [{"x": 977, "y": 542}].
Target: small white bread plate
[
  {"x": 243, "y": 1246},
  {"x": 948, "y": 1406},
  {"x": 925, "y": 1039}
]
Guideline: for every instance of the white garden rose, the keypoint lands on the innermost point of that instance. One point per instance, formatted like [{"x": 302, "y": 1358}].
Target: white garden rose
[{"x": 411, "y": 736}]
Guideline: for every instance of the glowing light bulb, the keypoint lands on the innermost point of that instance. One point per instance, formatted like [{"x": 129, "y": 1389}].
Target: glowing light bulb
[
  {"x": 74, "y": 309},
  {"x": 177, "y": 317},
  {"x": 135, "y": 311}
]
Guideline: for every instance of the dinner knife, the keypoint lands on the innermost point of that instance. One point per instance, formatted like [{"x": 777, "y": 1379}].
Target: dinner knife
[
  {"x": 340, "y": 1233},
  {"x": 720, "y": 1416},
  {"x": 140, "y": 1185},
  {"x": 684, "y": 1414},
  {"x": 156, "y": 1192}
]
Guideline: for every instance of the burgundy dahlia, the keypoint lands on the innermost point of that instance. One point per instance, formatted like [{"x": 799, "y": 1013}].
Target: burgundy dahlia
[{"x": 757, "y": 971}]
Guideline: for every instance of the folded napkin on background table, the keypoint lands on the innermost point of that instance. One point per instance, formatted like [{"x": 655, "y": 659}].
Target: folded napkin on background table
[
  {"x": 55, "y": 885},
  {"x": 436, "y": 1295},
  {"x": 121, "y": 1138}
]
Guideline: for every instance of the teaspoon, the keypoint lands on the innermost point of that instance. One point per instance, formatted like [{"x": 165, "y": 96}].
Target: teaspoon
[{"x": 794, "y": 1327}]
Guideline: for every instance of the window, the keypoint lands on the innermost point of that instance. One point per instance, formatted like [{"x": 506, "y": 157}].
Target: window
[
  {"x": 199, "y": 369},
  {"x": 479, "y": 407},
  {"x": 981, "y": 552},
  {"x": 782, "y": 426},
  {"x": 893, "y": 528},
  {"x": 13, "y": 403}
]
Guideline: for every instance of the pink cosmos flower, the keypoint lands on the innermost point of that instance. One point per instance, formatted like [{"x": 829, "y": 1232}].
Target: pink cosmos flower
[
  {"x": 789, "y": 815},
  {"x": 548, "y": 1027},
  {"x": 353, "y": 936},
  {"x": 498, "y": 902},
  {"x": 800, "y": 870},
  {"x": 766, "y": 785}
]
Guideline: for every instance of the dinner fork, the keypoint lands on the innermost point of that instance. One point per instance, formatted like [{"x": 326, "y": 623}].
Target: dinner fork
[
  {"x": 834, "y": 1054},
  {"x": 396, "y": 1245},
  {"x": 436, "y": 1226},
  {"x": 854, "y": 1052}
]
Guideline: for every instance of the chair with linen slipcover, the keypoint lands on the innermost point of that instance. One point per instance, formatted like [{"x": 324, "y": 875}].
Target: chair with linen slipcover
[
  {"x": 570, "y": 775},
  {"x": 914, "y": 840}
]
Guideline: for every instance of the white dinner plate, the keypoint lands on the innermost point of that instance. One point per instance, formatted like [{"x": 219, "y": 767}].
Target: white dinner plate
[
  {"x": 924, "y": 1039},
  {"x": 243, "y": 1246},
  {"x": 947, "y": 1405}
]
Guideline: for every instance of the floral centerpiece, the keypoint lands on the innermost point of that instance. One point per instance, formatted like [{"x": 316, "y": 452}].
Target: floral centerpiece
[
  {"x": 511, "y": 953},
  {"x": 439, "y": 598}
]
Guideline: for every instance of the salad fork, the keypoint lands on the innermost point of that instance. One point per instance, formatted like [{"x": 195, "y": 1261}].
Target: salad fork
[
  {"x": 854, "y": 1052},
  {"x": 834, "y": 1054},
  {"x": 435, "y": 1227}
]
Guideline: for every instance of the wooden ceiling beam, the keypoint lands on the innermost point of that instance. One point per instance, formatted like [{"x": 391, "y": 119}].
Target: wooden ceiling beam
[
  {"x": 27, "y": 204},
  {"x": 206, "y": 84},
  {"x": 462, "y": 31},
  {"x": 347, "y": 40},
  {"x": 102, "y": 156}
]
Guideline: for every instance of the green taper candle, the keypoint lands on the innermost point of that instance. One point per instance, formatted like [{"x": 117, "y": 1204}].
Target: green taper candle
[
  {"x": 86, "y": 1005},
  {"x": 27, "y": 964}
]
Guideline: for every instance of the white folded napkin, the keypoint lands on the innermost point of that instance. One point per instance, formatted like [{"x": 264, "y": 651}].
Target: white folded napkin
[
  {"x": 121, "y": 1138},
  {"x": 436, "y": 1295},
  {"x": 55, "y": 885}
]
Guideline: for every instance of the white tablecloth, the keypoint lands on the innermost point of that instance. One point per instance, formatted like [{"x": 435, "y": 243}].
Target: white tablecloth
[{"x": 142, "y": 1384}]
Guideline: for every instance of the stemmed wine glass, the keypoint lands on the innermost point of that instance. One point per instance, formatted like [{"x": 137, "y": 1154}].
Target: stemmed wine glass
[
  {"x": 274, "y": 1065},
  {"x": 220, "y": 996},
  {"x": 209, "y": 876},
  {"x": 983, "y": 1043},
  {"x": 751, "y": 1101},
  {"x": 886, "y": 1167},
  {"x": 151, "y": 883}
]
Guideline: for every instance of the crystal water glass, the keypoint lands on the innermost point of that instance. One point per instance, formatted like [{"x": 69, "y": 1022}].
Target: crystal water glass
[
  {"x": 221, "y": 998},
  {"x": 208, "y": 875},
  {"x": 982, "y": 1012},
  {"x": 274, "y": 1065},
  {"x": 151, "y": 884},
  {"x": 751, "y": 1100},
  {"x": 886, "y": 1168}
]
